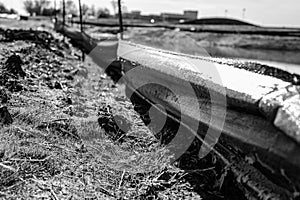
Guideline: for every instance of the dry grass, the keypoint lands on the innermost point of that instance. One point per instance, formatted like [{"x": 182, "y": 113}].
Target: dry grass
[
  {"x": 45, "y": 155},
  {"x": 55, "y": 148}
]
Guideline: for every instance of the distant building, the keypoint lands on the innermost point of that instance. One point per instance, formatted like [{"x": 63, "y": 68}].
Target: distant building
[
  {"x": 171, "y": 16},
  {"x": 188, "y": 15},
  {"x": 136, "y": 13},
  {"x": 191, "y": 14},
  {"x": 156, "y": 18}
]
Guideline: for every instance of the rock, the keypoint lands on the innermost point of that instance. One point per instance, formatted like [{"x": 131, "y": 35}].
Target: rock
[
  {"x": 68, "y": 100},
  {"x": 58, "y": 85},
  {"x": 81, "y": 72},
  {"x": 114, "y": 126},
  {"x": 270, "y": 103},
  {"x": 13, "y": 65},
  {"x": 282, "y": 107},
  {"x": 5, "y": 117},
  {"x": 287, "y": 118},
  {"x": 69, "y": 77}
]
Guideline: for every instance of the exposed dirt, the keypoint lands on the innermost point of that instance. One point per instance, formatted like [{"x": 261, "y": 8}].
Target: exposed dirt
[{"x": 59, "y": 138}]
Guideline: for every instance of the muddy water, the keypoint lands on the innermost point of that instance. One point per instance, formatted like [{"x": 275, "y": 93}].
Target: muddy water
[{"x": 286, "y": 60}]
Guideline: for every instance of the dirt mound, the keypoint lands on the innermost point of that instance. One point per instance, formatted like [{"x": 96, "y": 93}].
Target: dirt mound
[
  {"x": 13, "y": 66},
  {"x": 218, "y": 21}
]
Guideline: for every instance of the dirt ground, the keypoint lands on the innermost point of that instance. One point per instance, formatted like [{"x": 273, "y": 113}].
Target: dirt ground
[{"x": 59, "y": 138}]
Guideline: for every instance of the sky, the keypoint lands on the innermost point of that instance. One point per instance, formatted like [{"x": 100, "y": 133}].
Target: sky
[{"x": 263, "y": 12}]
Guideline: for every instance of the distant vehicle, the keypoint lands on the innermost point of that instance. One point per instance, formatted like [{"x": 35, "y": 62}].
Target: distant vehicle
[{"x": 24, "y": 17}]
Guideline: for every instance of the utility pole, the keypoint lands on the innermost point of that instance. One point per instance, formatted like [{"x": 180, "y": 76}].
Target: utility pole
[
  {"x": 80, "y": 16},
  {"x": 64, "y": 17},
  {"x": 120, "y": 18},
  {"x": 64, "y": 13},
  {"x": 55, "y": 9},
  {"x": 244, "y": 13},
  {"x": 81, "y": 26}
]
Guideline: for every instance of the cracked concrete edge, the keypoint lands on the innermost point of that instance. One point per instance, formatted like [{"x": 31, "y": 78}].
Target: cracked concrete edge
[
  {"x": 250, "y": 133},
  {"x": 278, "y": 101},
  {"x": 239, "y": 93},
  {"x": 282, "y": 107}
]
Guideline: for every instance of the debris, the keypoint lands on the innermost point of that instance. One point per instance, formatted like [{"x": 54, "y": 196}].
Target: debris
[
  {"x": 58, "y": 85},
  {"x": 13, "y": 65},
  {"x": 7, "y": 167},
  {"x": 5, "y": 117},
  {"x": 108, "y": 122}
]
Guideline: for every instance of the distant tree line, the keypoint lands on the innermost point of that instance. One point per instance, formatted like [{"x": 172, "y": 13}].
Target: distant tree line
[
  {"x": 39, "y": 7},
  {"x": 43, "y": 8},
  {"x": 3, "y": 9}
]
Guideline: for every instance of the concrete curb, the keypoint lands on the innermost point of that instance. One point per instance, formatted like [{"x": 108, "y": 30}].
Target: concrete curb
[
  {"x": 253, "y": 93},
  {"x": 263, "y": 112}
]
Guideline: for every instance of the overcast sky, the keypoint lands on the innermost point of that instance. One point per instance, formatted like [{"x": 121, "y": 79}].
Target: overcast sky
[{"x": 265, "y": 12}]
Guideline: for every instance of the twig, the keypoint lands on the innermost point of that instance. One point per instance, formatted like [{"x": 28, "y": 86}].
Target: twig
[
  {"x": 31, "y": 160},
  {"x": 70, "y": 134},
  {"x": 122, "y": 178},
  {"x": 63, "y": 148},
  {"x": 199, "y": 170},
  {"x": 8, "y": 167},
  {"x": 56, "y": 120},
  {"x": 25, "y": 131},
  {"x": 53, "y": 193},
  {"x": 104, "y": 191},
  {"x": 186, "y": 172},
  {"x": 223, "y": 176}
]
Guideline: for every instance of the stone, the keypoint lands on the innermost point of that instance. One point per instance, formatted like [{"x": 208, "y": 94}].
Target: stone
[
  {"x": 57, "y": 85},
  {"x": 287, "y": 118},
  {"x": 14, "y": 65},
  {"x": 270, "y": 103},
  {"x": 5, "y": 117}
]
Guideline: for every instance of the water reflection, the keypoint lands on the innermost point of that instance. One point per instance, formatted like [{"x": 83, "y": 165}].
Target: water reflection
[{"x": 287, "y": 60}]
